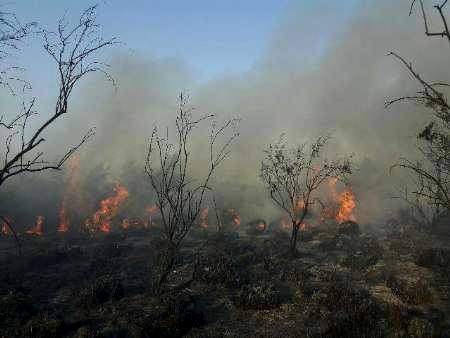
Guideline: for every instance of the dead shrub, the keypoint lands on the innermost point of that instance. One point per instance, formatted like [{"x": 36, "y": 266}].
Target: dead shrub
[
  {"x": 99, "y": 291},
  {"x": 259, "y": 297}
]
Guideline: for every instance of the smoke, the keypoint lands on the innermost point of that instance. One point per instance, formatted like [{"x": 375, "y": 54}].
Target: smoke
[{"x": 320, "y": 73}]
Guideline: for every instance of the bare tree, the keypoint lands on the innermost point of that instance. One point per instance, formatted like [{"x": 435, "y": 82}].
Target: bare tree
[
  {"x": 430, "y": 197},
  {"x": 178, "y": 196},
  {"x": 444, "y": 33},
  {"x": 12, "y": 34},
  {"x": 73, "y": 49},
  {"x": 293, "y": 176}
]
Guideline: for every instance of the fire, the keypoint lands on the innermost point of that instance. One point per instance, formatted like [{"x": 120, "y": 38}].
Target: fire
[
  {"x": 151, "y": 211},
  {"x": 304, "y": 226},
  {"x": 38, "y": 229},
  {"x": 299, "y": 205},
  {"x": 261, "y": 226},
  {"x": 64, "y": 223},
  {"x": 347, "y": 206},
  {"x": 234, "y": 216},
  {"x": 135, "y": 223},
  {"x": 346, "y": 202},
  {"x": 286, "y": 225},
  {"x": 72, "y": 185},
  {"x": 108, "y": 209},
  {"x": 5, "y": 230},
  {"x": 203, "y": 216},
  {"x": 125, "y": 224}
]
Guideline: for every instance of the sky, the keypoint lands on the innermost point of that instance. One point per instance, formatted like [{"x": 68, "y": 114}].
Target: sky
[{"x": 213, "y": 37}]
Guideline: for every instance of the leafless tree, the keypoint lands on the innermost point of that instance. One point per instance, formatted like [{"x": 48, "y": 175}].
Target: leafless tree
[
  {"x": 293, "y": 176},
  {"x": 178, "y": 196},
  {"x": 73, "y": 48},
  {"x": 444, "y": 33},
  {"x": 12, "y": 34},
  {"x": 431, "y": 196}
]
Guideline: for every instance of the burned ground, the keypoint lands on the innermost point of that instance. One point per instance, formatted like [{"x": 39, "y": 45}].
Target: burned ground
[{"x": 228, "y": 284}]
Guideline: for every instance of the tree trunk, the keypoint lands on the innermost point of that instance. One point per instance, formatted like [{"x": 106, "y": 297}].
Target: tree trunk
[
  {"x": 293, "y": 244},
  {"x": 294, "y": 236},
  {"x": 166, "y": 268}
]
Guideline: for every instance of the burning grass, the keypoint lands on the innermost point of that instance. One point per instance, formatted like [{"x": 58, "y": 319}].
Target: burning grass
[{"x": 228, "y": 278}]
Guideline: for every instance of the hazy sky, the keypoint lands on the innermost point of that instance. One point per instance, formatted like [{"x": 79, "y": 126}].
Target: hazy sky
[{"x": 213, "y": 37}]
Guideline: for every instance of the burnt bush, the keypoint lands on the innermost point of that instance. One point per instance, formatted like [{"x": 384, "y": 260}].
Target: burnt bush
[
  {"x": 50, "y": 256},
  {"x": 43, "y": 326},
  {"x": 15, "y": 310},
  {"x": 110, "y": 249},
  {"x": 230, "y": 244},
  {"x": 177, "y": 314},
  {"x": 349, "y": 311},
  {"x": 420, "y": 328},
  {"x": 434, "y": 258},
  {"x": 215, "y": 267},
  {"x": 111, "y": 330},
  {"x": 257, "y": 227},
  {"x": 296, "y": 273},
  {"x": 259, "y": 297},
  {"x": 359, "y": 253},
  {"x": 349, "y": 228},
  {"x": 99, "y": 291},
  {"x": 360, "y": 260},
  {"x": 16, "y": 306},
  {"x": 410, "y": 290},
  {"x": 273, "y": 265}
]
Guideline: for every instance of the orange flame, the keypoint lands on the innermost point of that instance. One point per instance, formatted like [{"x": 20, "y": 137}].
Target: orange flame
[
  {"x": 64, "y": 223},
  {"x": 203, "y": 216},
  {"x": 126, "y": 224},
  {"x": 286, "y": 225},
  {"x": 299, "y": 205},
  {"x": 38, "y": 229},
  {"x": 72, "y": 185},
  {"x": 261, "y": 226},
  {"x": 151, "y": 211},
  {"x": 347, "y": 206},
  {"x": 304, "y": 226},
  {"x": 5, "y": 230},
  {"x": 234, "y": 216},
  {"x": 346, "y": 202},
  {"x": 108, "y": 209}
]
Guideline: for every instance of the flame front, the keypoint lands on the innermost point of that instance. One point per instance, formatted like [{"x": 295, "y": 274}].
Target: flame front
[
  {"x": 286, "y": 225},
  {"x": 64, "y": 222},
  {"x": 346, "y": 203},
  {"x": 203, "y": 216},
  {"x": 347, "y": 206},
  {"x": 299, "y": 205},
  {"x": 38, "y": 229},
  {"x": 109, "y": 207},
  {"x": 234, "y": 216},
  {"x": 5, "y": 230},
  {"x": 261, "y": 226},
  {"x": 152, "y": 211}
]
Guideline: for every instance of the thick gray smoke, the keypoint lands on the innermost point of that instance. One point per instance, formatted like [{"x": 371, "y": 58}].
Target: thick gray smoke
[{"x": 319, "y": 73}]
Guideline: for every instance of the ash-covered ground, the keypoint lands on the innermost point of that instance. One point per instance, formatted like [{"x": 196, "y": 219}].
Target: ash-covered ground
[{"x": 236, "y": 282}]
